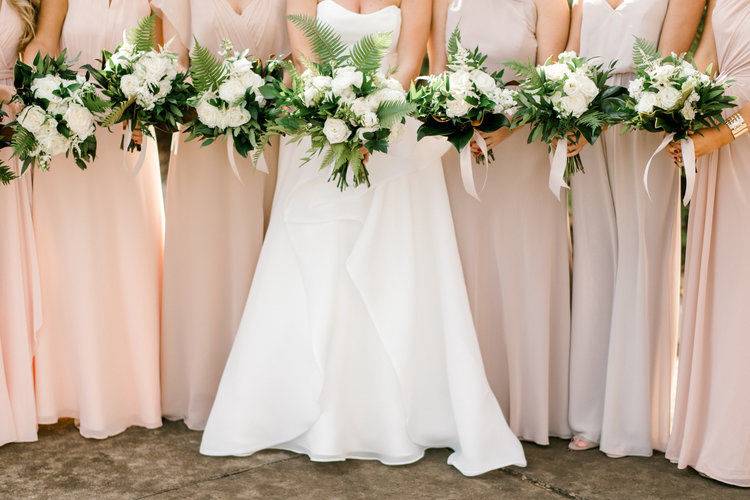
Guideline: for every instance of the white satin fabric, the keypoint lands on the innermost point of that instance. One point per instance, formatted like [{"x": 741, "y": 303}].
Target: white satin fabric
[{"x": 357, "y": 340}]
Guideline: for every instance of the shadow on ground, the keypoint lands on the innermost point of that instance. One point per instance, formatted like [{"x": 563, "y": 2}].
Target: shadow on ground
[{"x": 164, "y": 463}]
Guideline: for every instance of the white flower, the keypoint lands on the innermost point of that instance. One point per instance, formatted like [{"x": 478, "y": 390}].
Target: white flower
[
  {"x": 662, "y": 74},
  {"x": 668, "y": 97},
  {"x": 58, "y": 108},
  {"x": 505, "y": 101},
  {"x": 51, "y": 141},
  {"x": 236, "y": 116},
  {"x": 635, "y": 89},
  {"x": 252, "y": 80},
  {"x": 646, "y": 103},
  {"x": 575, "y": 105},
  {"x": 32, "y": 118},
  {"x": 130, "y": 85},
  {"x": 688, "y": 112},
  {"x": 344, "y": 79},
  {"x": 362, "y": 106},
  {"x": 460, "y": 83},
  {"x": 232, "y": 90},
  {"x": 153, "y": 66},
  {"x": 484, "y": 82},
  {"x": 321, "y": 82},
  {"x": 310, "y": 95},
  {"x": 688, "y": 69},
  {"x": 370, "y": 120},
  {"x": 43, "y": 88},
  {"x": 556, "y": 72},
  {"x": 242, "y": 65},
  {"x": 585, "y": 84},
  {"x": 457, "y": 107},
  {"x": 208, "y": 114},
  {"x": 567, "y": 56},
  {"x": 79, "y": 120},
  {"x": 571, "y": 86},
  {"x": 336, "y": 131}
]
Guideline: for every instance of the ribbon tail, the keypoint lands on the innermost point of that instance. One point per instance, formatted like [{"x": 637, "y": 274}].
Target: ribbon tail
[
  {"x": 646, "y": 172},
  {"x": 467, "y": 172},
  {"x": 175, "y": 146},
  {"x": 689, "y": 161},
  {"x": 486, "y": 153},
  {"x": 230, "y": 156},
  {"x": 558, "y": 163},
  {"x": 260, "y": 163}
]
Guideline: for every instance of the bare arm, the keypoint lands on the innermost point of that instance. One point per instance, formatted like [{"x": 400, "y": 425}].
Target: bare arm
[
  {"x": 301, "y": 49},
  {"x": 680, "y": 25},
  {"x": 552, "y": 26},
  {"x": 436, "y": 45},
  {"x": 576, "y": 20},
  {"x": 706, "y": 56},
  {"x": 412, "y": 45},
  {"x": 170, "y": 34},
  {"x": 48, "y": 29}
]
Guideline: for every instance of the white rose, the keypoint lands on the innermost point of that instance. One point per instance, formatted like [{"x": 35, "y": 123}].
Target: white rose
[
  {"x": 32, "y": 118},
  {"x": 457, "y": 107},
  {"x": 321, "y": 82},
  {"x": 130, "y": 85},
  {"x": 208, "y": 114},
  {"x": 361, "y": 106},
  {"x": 232, "y": 90},
  {"x": 58, "y": 108},
  {"x": 51, "y": 140},
  {"x": 236, "y": 116},
  {"x": 43, "y": 87},
  {"x": 310, "y": 95},
  {"x": 370, "y": 120},
  {"x": 242, "y": 65},
  {"x": 460, "y": 83},
  {"x": 252, "y": 80},
  {"x": 556, "y": 72},
  {"x": 688, "y": 112},
  {"x": 586, "y": 85},
  {"x": 79, "y": 120},
  {"x": 667, "y": 98},
  {"x": 152, "y": 67},
  {"x": 646, "y": 103},
  {"x": 571, "y": 86},
  {"x": 336, "y": 131},
  {"x": 662, "y": 73},
  {"x": 635, "y": 89},
  {"x": 505, "y": 100},
  {"x": 344, "y": 79},
  {"x": 575, "y": 105},
  {"x": 484, "y": 82}
]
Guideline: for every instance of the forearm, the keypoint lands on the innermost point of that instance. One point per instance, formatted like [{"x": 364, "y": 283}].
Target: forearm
[
  {"x": 576, "y": 20},
  {"x": 301, "y": 49},
  {"x": 680, "y": 25},
  {"x": 49, "y": 28},
  {"x": 436, "y": 47},
  {"x": 553, "y": 25},
  {"x": 412, "y": 47}
]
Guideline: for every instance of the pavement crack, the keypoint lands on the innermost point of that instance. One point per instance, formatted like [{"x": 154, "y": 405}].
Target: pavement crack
[
  {"x": 218, "y": 477},
  {"x": 565, "y": 493}
]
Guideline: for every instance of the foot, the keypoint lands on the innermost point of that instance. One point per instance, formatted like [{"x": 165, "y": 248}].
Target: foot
[{"x": 581, "y": 444}]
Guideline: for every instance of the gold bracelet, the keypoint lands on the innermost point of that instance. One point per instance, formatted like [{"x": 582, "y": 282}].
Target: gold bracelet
[{"x": 737, "y": 125}]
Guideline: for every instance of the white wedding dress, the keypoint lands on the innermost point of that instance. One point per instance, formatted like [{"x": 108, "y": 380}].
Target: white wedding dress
[{"x": 357, "y": 340}]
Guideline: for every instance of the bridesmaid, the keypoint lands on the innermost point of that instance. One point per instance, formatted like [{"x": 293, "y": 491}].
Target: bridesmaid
[
  {"x": 711, "y": 431},
  {"x": 19, "y": 282},
  {"x": 514, "y": 244},
  {"x": 99, "y": 237},
  {"x": 627, "y": 248},
  {"x": 215, "y": 222}
]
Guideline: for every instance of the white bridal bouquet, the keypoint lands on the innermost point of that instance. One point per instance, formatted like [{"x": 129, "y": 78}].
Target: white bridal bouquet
[
  {"x": 234, "y": 97},
  {"x": 59, "y": 113},
  {"x": 143, "y": 83},
  {"x": 670, "y": 95},
  {"x": 567, "y": 99},
  {"x": 464, "y": 99},
  {"x": 343, "y": 102}
]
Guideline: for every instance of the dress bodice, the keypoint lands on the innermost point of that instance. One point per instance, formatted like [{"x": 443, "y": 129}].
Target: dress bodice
[
  {"x": 731, "y": 25},
  {"x": 94, "y": 25},
  {"x": 609, "y": 33},
  {"x": 479, "y": 20},
  {"x": 260, "y": 27},
  {"x": 353, "y": 26},
  {"x": 11, "y": 30}
]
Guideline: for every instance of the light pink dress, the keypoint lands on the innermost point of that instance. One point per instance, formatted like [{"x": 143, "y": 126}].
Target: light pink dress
[
  {"x": 20, "y": 315},
  {"x": 711, "y": 431},
  {"x": 215, "y": 222},
  {"x": 626, "y": 261},
  {"x": 100, "y": 242},
  {"x": 514, "y": 245}
]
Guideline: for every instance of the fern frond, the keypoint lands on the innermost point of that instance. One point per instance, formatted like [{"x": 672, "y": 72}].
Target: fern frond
[
  {"x": 95, "y": 104},
  {"x": 115, "y": 115},
  {"x": 6, "y": 174},
  {"x": 644, "y": 52},
  {"x": 526, "y": 71},
  {"x": 324, "y": 41},
  {"x": 23, "y": 142},
  {"x": 454, "y": 43},
  {"x": 143, "y": 36},
  {"x": 206, "y": 69},
  {"x": 367, "y": 54},
  {"x": 391, "y": 112}
]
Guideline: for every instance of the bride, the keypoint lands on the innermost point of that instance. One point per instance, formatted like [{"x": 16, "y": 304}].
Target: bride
[{"x": 357, "y": 340}]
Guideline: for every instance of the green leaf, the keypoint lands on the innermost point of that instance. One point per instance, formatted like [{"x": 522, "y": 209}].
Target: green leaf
[
  {"x": 454, "y": 43},
  {"x": 367, "y": 54},
  {"x": 206, "y": 69},
  {"x": 324, "y": 40},
  {"x": 6, "y": 174},
  {"x": 143, "y": 36},
  {"x": 644, "y": 52},
  {"x": 392, "y": 112},
  {"x": 116, "y": 114}
]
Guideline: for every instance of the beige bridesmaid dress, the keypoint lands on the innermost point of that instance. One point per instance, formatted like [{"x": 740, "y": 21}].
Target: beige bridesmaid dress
[
  {"x": 626, "y": 261},
  {"x": 514, "y": 245},
  {"x": 100, "y": 241},
  {"x": 20, "y": 316},
  {"x": 215, "y": 221},
  {"x": 711, "y": 430}
]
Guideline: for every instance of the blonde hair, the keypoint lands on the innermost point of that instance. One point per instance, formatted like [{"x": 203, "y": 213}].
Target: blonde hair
[{"x": 27, "y": 10}]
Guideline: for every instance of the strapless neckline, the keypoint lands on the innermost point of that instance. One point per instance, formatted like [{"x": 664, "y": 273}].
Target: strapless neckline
[{"x": 379, "y": 11}]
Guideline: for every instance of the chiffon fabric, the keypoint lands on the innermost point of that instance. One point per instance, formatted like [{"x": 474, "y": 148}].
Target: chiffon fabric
[
  {"x": 711, "y": 430},
  {"x": 215, "y": 221},
  {"x": 357, "y": 339},
  {"x": 100, "y": 242},
  {"x": 626, "y": 261},
  {"x": 20, "y": 301},
  {"x": 514, "y": 245}
]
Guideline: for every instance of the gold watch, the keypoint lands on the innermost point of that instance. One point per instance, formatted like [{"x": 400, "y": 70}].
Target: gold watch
[{"x": 737, "y": 125}]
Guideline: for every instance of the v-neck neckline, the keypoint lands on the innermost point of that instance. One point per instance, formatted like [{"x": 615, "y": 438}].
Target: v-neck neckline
[
  {"x": 240, "y": 13},
  {"x": 613, "y": 8}
]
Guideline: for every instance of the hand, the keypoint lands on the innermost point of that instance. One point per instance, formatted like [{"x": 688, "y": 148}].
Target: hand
[
  {"x": 706, "y": 142},
  {"x": 137, "y": 135},
  {"x": 576, "y": 145},
  {"x": 365, "y": 154},
  {"x": 491, "y": 138}
]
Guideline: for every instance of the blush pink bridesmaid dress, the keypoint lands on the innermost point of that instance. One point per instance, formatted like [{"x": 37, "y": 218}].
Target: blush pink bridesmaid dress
[
  {"x": 20, "y": 316},
  {"x": 215, "y": 221},
  {"x": 711, "y": 430},
  {"x": 626, "y": 261},
  {"x": 514, "y": 245},
  {"x": 100, "y": 242}
]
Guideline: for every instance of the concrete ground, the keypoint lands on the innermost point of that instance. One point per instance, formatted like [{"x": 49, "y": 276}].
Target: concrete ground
[{"x": 164, "y": 463}]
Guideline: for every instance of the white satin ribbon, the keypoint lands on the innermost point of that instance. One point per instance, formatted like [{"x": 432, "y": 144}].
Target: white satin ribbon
[
  {"x": 230, "y": 155},
  {"x": 688, "y": 161},
  {"x": 467, "y": 170},
  {"x": 175, "y": 146},
  {"x": 558, "y": 163},
  {"x": 261, "y": 164}
]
